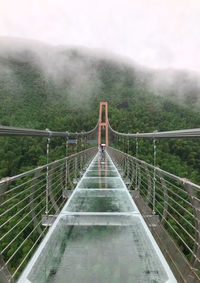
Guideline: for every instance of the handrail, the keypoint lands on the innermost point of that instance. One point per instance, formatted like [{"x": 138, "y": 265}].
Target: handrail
[
  {"x": 184, "y": 181},
  {"x": 8, "y": 180},
  {"x": 159, "y": 170}
]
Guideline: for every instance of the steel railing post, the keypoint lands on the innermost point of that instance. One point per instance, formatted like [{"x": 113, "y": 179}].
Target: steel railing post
[
  {"x": 47, "y": 175},
  {"x": 154, "y": 176}
]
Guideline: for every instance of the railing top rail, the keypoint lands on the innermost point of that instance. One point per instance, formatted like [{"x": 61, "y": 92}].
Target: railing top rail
[
  {"x": 13, "y": 131},
  {"x": 167, "y": 174},
  {"x": 189, "y": 133},
  {"x": 32, "y": 171}
]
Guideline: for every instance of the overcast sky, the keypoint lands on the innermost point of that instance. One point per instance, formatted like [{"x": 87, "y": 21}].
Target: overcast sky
[{"x": 154, "y": 33}]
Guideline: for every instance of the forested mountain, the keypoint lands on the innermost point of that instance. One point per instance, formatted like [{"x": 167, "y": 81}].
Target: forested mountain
[{"x": 60, "y": 89}]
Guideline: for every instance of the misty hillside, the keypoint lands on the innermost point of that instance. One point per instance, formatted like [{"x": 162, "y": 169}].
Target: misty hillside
[
  {"x": 78, "y": 76},
  {"x": 60, "y": 89},
  {"x": 36, "y": 82}
]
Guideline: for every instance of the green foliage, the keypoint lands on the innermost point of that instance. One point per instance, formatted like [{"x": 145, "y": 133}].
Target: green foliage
[{"x": 31, "y": 100}]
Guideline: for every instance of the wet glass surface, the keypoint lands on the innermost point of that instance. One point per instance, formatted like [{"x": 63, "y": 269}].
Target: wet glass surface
[
  {"x": 103, "y": 167},
  {"x": 101, "y": 183},
  {"x": 99, "y": 248},
  {"x": 102, "y": 173},
  {"x": 100, "y": 201},
  {"x": 104, "y": 162},
  {"x": 98, "y": 253}
]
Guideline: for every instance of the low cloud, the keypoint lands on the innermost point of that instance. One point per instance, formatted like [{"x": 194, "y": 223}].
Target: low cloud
[
  {"x": 74, "y": 74},
  {"x": 157, "y": 34},
  {"x": 70, "y": 71}
]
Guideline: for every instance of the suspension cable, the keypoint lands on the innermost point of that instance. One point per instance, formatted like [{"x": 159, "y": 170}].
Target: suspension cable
[
  {"x": 190, "y": 133},
  {"x": 13, "y": 131}
]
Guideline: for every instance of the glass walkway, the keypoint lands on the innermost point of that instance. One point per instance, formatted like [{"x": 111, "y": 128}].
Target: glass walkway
[{"x": 99, "y": 236}]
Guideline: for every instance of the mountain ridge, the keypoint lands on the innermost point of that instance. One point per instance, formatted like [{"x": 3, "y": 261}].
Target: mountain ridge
[
  {"x": 180, "y": 86},
  {"x": 62, "y": 93}
]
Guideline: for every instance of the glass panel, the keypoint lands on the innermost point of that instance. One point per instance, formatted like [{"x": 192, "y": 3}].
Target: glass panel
[
  {"x": 102, "y": 173},
  {"x": 101, "y": 183},
  {"x": 98, "y": 253},
  {"x": 100, "y": 201},
  {"x": 106, "y": 161},
  {"x": 102, "y": 163},
  {"x": 102, "y": 166}
]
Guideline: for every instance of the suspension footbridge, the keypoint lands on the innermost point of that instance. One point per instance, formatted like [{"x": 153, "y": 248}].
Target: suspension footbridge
[{"x": 99, "y": 217}]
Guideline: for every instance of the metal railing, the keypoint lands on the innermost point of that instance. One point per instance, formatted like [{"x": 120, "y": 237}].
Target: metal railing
[
  {"x": 176, "y": 203},
  {"x": 29, "y": 202}
]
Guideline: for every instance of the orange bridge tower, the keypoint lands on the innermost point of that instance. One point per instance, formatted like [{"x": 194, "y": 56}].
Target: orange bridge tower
[{"x": 103, "y": 123}]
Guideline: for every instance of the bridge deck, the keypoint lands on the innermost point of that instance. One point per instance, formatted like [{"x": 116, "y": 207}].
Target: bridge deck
[{"x": 99, "y": 236}]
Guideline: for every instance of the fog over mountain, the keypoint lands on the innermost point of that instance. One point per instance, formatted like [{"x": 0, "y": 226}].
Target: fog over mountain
[
  {"x": 77, "y": 69},
  {"x": 157, "y": 34}
]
